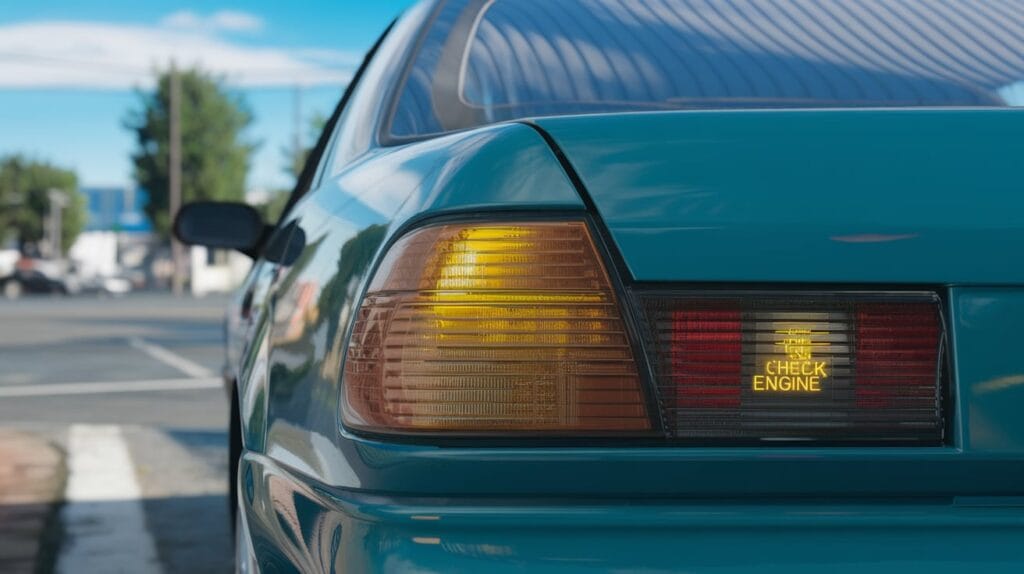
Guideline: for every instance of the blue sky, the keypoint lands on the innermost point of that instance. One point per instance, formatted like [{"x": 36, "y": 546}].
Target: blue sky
[{"x": 68, "y": 70}]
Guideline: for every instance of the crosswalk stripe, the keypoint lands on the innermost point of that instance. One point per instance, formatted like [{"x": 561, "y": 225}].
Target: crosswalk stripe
[
  {"x": 56, "y": 389},
  {"x": 103, "y": 516},
  {"x": 170, "y": 358}
]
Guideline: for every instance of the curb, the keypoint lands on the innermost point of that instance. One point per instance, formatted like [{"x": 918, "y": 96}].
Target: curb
[{"x": 32, "y": 478}]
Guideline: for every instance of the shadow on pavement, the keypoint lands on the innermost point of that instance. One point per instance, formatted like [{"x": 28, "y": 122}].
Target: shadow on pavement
[
  {"x": 29, "y": 538},
  {"x": 192, "y": 533},
  {"x": 183, "y": 534}
]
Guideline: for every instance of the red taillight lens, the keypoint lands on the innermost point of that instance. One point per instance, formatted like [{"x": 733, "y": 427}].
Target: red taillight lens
[
  {"x": 490, "y": 329},
  {"x": 493, "y": 328},
  {"x": 800, "y": 367},
  {"x": 705, "y": 358}
]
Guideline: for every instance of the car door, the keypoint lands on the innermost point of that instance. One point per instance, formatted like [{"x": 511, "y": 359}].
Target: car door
[{"x": 280, "y": 335}]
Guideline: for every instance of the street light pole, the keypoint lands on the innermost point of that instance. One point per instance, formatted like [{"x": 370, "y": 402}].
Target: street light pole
[
  {"x": 174, "y": 177},
  {"x": 58, "y": 201}
]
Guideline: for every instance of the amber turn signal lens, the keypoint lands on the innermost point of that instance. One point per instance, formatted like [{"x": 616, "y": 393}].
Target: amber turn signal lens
[{"x": 491, "y": 328}]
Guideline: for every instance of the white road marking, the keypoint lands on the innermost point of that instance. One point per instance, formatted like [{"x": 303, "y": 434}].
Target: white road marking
[
  {"x": 190, "y": 368},
  {"x": 102, "y": 517},
  {"x": 58, "y": 389}
]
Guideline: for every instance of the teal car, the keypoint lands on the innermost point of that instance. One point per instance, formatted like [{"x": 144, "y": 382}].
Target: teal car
[{"x": 659, "y": 286}]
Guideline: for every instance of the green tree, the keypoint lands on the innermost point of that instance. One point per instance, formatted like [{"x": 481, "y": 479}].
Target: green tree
[
  {"x": 25, "y": 203},
  {"x": 272, "y": 208},
  {"x": 214, "y": 153}
]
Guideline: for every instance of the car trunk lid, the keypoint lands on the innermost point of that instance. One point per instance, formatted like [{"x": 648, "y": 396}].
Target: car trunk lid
[{"x": 822, "y": 196}]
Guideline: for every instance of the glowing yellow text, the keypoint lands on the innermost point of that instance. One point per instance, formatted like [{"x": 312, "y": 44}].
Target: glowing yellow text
[{"x": 797, "y": 371}]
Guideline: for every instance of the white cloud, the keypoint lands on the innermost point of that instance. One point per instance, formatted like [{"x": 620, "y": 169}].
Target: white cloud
[
  {"x": 331, "y": 57},
  {"x": 55, "y": 54},
  {"x": 226, "y": 20}
]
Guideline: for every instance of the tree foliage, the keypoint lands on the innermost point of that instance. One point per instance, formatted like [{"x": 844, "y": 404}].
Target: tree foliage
[
  {"x": 214, "y": 153},
  {"x": 273, "y": 207},
  {"x": 25, "y": 204}
]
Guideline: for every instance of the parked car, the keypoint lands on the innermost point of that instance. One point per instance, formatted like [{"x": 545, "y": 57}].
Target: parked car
[
  {"x": 644, "y": 287},
  {"x": 32, "y": 280}
]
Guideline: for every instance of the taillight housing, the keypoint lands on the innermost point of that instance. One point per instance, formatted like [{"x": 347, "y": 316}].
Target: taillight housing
[
  {"x": 516, "y": 329},
  {"x": 861, "y": 367},
  {"x": 493, "y": 328}
]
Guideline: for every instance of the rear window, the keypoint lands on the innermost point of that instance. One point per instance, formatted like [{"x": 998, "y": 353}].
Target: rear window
[{"x": 484, "y": 62}]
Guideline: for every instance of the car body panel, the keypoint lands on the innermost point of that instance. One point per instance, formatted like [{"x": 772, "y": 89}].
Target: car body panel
[
  {"x": 841, "y": 199},
  {"x": 342, "y": 228},
  {"x": 311, "y": 529},
  {"x": 807, "y": 196},
  {"x": 989, "y": 370},
  {"x": 317, "y": 496},
  {"x": 247, "y": 322},
  {"x": 508, "y": 167}
]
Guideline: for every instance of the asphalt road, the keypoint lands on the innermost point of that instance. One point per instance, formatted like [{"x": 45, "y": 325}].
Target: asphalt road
[{"x": 133, "y": 381}]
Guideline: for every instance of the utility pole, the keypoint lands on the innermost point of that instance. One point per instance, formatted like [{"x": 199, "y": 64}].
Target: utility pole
[
  {"x": 174, "y": 178},
  {"x": 58, "y": 201}
]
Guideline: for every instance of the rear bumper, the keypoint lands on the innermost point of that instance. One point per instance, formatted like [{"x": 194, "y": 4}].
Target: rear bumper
[{"x": 295, "y": 525}]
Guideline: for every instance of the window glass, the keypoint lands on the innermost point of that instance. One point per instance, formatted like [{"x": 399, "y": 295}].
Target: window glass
[
  {"x": 485, "y": 62},
  {"x": 356, "y": 127}
]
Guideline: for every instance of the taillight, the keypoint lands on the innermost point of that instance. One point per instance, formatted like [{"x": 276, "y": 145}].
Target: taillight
[
  {"x": 514, "y": 328},
  {"x": 807, "y": 367},
  {"x": 493, "y": 328}
]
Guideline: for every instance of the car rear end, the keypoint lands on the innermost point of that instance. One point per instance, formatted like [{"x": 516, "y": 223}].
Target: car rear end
[
  {"x": 774, "y": 341},
  {"x": 782, "y": 340}
]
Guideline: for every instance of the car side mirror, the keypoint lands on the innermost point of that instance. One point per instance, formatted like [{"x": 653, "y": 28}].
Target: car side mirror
[
  {"x": 220, "y": 225},
  {"x": 285, "y": 245}
]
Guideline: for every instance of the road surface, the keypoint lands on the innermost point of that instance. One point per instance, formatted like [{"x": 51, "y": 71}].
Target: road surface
[{"x": 130, "y": 388}]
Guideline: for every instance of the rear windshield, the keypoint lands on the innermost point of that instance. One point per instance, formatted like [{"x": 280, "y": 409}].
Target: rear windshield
[{"x": 489, "y": 61}]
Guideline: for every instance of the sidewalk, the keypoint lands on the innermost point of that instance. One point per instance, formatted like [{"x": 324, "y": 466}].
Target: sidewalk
[{"x": 32, "y": 477}]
